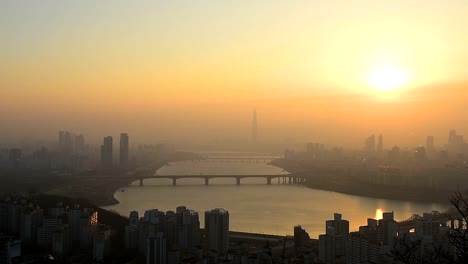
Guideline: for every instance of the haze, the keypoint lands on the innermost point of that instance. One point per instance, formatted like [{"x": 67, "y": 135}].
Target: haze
[{"x": 196, "y": 70}]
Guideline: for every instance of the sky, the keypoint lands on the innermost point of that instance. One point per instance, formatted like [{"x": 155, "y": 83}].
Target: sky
[{"x": 196, "y": 70}]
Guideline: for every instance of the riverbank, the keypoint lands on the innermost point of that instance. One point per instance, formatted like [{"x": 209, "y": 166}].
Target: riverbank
[
  {"x": 346, "y": 185},
  {"x": 100, "y": 189}
]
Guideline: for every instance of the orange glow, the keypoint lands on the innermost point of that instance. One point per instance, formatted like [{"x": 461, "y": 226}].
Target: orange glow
[{"x": 378, "y": 214}]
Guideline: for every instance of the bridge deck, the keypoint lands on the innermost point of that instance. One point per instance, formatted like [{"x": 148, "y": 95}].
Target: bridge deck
[{"x": 214, "y": 176}]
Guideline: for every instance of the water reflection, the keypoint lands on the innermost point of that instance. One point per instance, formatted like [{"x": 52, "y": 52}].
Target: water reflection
[{"x": 255, "y": 206}]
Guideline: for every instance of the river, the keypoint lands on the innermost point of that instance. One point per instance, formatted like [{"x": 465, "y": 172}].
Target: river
[{"x": 254, "y": 206}]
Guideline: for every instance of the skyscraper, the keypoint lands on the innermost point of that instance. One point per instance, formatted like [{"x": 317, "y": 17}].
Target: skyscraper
[
  {"x": 254, "y": 126},
  {"x": 61, "y": 140},
  {"x": 217, "y": 230},
  {"x": 188, "y": 228},
  {"x": 156, "y": 249},
  {"x": 79, "y": 144},
  {"x": 369, "y": 145},
  {"x": 380, "y": 144},
  {"x": 123, "y": 149},
  {"x": 332, "y": 245},
  {"x": 430, "y": 144},
  {"x": 106, "y": 152}
]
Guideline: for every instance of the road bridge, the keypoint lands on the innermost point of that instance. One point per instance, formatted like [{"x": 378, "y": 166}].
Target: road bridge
[
  {"x": 451, "y": 215},
  {"x": 285, "y": 178}
]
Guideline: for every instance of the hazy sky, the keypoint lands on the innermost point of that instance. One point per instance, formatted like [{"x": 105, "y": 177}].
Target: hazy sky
[{"x": 197, "y": 69}]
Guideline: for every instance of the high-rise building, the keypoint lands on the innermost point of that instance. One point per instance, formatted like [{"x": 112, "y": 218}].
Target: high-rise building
[
  {"x": 452, "y": 136},
  {"x": 171, "y": 230},
  {"x": 187, "y": 228},
  {"x": 106, "y": 152},
  {"x": 153, "y": 222},
  {"x": 88, "y": 226},
  {"x": 217, "y": 231},
  {"x": 9, "y": 249},
  {"x": 123, "y": 149},
  {"x": 156, "y": 250},
  {"x": 45, "y": 232},
  {"x": 369, "y": 144},
  {"x": 380, "y": 144},
  {"x": 254, "y": 126},
  {"x": 131, "y": 231},
  {"x": 363, "y": 246},
  {"x": 134, "y": 218},
  {"x": 74, "y": 215},
  {"x": 67, "y": 143},
  {"x": 301, "y": 237},
  {"x": 430, "y": 144},
  {"x": 79, "y": 144},
  {"x": 14, "y": 157},
  {"x": 61, "y": 240},
  {"x": 387, "y": 230},
  {"x": 420, "y": 153},
  {"x": 332, "y": 245},
  {"x": 61, "y": 140},
  {"x": 101, "y": 243},
  {"x": 29, "y": 222}
]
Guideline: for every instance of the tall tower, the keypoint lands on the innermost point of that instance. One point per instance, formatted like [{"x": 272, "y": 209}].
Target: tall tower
[
  {"x": 254, "y": 126},
  {"x": 106, "y": 152},
  {"x": 217, "y": 230},
  {"x": 430, "y": 144},
  {"x": 380, "y": 144},
  {"x": 123, "y": 149}
]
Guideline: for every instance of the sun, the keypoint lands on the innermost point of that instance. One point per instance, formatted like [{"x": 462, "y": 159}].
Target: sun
[{"x": 387, "y": 78}]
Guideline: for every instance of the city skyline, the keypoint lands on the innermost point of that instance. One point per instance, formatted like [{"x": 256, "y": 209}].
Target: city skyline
[
  {"x": 241, "y": 132},
  {"x": 139, "y": 69}
]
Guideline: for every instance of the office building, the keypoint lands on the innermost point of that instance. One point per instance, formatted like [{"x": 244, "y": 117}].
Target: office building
[
  {"x": 79, "y": 144},
  {"x": 369, "y": 145},
  {"x": 332, "y": 245},
  {"x": 156, "y": 250},
  {"x": 30, "y": 220},
  {"x": 430, "y": 144},
  {"x": 106, "y": 152},
  {"x": 187, "y": 228},
  {"x": 420, "y": 153},
  {"x": 101, "y": 243},
  {"x": 45, "y": 232},
  {"x": 131, "y": 231},
  {"x": 217, "y": 231},
  {"x": 387, "y": 231},
  {"x": 88, "y": 226},
  {"x": 9, "y": 249},
  {"x": 61, "y": 240},
  {"x": 123, "y": 149},
  {"x": 171, "y": 230},
  {"x": 380, "y": 144},
  {"x": 301, "y": 237}
]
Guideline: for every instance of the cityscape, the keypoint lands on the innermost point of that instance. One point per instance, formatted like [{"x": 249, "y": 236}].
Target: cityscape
[{"x": 256, "y": 132}]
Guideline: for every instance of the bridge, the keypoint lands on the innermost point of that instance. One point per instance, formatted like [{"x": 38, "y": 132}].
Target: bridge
[
  {"x": 451, "y": 215},
  {"x": 285, "y": 178},
  {"x": 235, "y": 159}
]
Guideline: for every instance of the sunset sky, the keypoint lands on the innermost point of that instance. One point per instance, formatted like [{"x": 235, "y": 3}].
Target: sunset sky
[{"x": 195, "y": 70}]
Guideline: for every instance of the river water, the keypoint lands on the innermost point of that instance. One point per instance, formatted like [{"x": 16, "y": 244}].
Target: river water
[{"x": 254, "y": 206}]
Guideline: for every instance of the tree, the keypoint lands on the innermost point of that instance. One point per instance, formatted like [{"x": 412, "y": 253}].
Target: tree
[{"x": 459, "y": 236}]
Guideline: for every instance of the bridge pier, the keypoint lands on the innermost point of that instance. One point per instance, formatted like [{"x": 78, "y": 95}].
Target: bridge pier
[
  {"x": 207, "y": 181},
  {"x": 238, "y": 179},
  {"x": 269, "y": 181},
  {"x": 141, "y": 182},
  {"x": 174, "y": 182}
]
